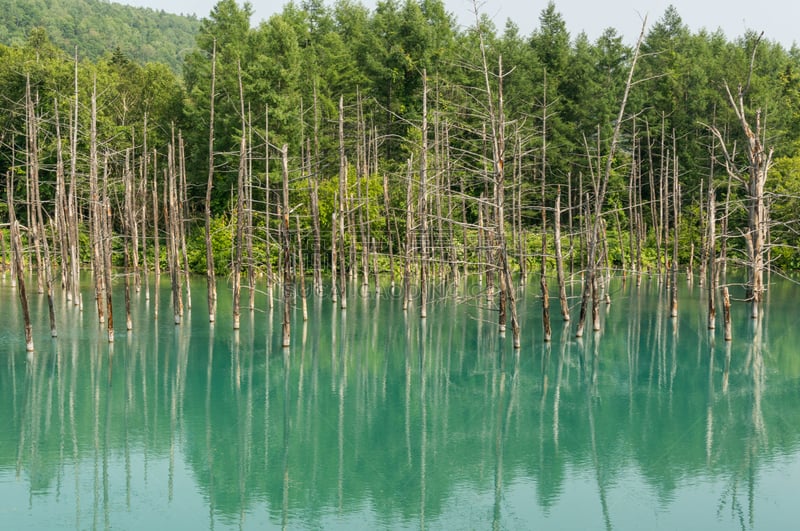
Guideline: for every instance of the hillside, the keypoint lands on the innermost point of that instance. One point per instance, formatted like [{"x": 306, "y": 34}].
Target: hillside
[{"x": 99, "y": 27}]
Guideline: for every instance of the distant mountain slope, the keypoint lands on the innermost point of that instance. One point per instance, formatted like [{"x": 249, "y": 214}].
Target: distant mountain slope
[{"x": 98, "y": 27}]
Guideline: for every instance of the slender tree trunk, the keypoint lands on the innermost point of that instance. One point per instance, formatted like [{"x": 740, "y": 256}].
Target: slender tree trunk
[
  {"x": 389, "y": 234},
  {"x": 562, "y": 288},
  {"x": 267, "y": 211},
  {"x": 143, "y": 195},
  {"x": 676, "y": 200},
  {"x": 712, "y": 259},
  {"x": 211, "y": 280},
  {"x": 106, "y": 223},
  {"x": 170, "y": 214},
  {"x": 129, "y": 223},
  {"x": 423, "y": 203},
  {"x": 315, "y": 200},
  {"x": 72, "y": 193},
  {"x": 287, "y": 250},
  {"x": 32, "y": 178},
  {"x": 409, "y": 237},
  {"x": 591, "y": 283},
  {"x": 301, "y": 275},
  {"x": 61, "y": 210},
  {"x": 156, "y": 236},
  {"x": 543, "y": 273},
  {"x": 240, "y": 214},
  {"x": 183, "y": 201},
  {"x": 46, "y": 268},
  {"x": 96, "y": 211},
  {"x": 343, "y": 215}
]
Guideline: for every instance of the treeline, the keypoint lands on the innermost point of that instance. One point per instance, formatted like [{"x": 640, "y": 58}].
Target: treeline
[
  {"x": 392, "y": 143},
  {"x": 98, "y": 28}
]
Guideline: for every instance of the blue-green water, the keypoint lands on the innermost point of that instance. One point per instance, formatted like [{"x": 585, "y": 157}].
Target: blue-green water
[{"x": 376, "y": 419}]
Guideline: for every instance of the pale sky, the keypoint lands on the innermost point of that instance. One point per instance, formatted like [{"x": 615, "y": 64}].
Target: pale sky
[{"x": 779, "y": 19}]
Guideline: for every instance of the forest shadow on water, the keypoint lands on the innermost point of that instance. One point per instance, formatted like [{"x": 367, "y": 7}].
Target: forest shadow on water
[{"x": 375, "y": 418}]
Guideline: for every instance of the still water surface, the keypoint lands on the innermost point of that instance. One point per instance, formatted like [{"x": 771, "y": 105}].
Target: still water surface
[{"x": 376, "y": 419}]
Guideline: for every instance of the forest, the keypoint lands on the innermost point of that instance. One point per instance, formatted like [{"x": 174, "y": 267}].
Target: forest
[
  {"x": 390, "y": 145},
  {"x": 98, "y": 28}
]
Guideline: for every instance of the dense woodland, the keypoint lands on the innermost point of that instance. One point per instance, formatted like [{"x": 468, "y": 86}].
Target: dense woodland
[
  {"x": 392, "y": 145},
  {"x": 99, "y": 27}
]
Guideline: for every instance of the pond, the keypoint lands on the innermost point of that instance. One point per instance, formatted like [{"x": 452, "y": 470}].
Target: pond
[{"x": 376, "y": 419}]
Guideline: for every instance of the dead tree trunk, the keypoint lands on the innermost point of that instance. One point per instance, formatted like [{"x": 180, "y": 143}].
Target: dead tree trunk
[
  {"x": 590, "y": 286},
  {"x": 38, "y": 225},
  {"x": 240, "y": 215},
  {"x": 143, "y": 194},
  {"x": 170, "y": 210},
  {"x": 543, "y": 272},
  {"x": 409, "y": 237},
  {"x": 498, "y": 125},
  {"x": 423, "y": 203},
  {"x": 156, "y": 235},
  {"x": 712, "y": 258},
  {"x": 96, "y": 210},
  {"x": 211, "y": 280},
  {"x": 248, "y": 233},
  {"x": 32, "y": 179},
  {"x": 342, "y": 212},
  {"x": 301, "y": 275},
  {"x": 61, "y": 210},
  {"x": 389, "y": 234},
  {"x": 676, "y": 200},
  {"x": 183, "y": 201},
  {"x": 759, "y": 161},
  {"x": 106, "y": 223},
  {"x": 315, "y": 200},
  {"x": 129, "y": 224},
  {"x": 287, "y": 249},
  {"x": 562, "y": 288},
  {"x": 72, "y": 194}
]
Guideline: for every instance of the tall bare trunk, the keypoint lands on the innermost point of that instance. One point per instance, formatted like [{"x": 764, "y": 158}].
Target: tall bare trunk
[
  {"x": 409, "y": 237},
  {"x": 423, "y": 203},
  {"x": 240, "y": 214},
  {"x": 343, "y": 215},
  {"x": 712, "y": 258},
  {"x": 562, "y": 288},
  {"x": 287, "y": 249},
  {"x": 211, "y": 280}
]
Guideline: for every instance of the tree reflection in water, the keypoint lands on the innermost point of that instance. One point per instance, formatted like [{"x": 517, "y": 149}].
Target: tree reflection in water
[{"x": 393, "y": 422}]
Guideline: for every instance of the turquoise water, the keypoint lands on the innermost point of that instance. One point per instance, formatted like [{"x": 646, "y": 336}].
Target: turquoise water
[{"x": 376, "y": 419}]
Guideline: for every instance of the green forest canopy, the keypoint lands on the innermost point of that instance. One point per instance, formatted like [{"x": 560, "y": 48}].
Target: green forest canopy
[
  {"x": 298, "y": 63},
  {"x": 99, "y": 27}
]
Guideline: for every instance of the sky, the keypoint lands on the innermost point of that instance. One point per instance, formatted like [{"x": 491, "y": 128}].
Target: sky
[{"x": 779, "y": 19}]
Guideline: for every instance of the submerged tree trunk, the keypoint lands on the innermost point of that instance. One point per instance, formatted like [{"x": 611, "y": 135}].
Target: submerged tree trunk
[
  {"x": 423, "y": 203},
  {"x": 562, "y": 288},
  {"x": 342, "y": 212},
  {"x": 106, "y": 222},
  {"x": 38, "y": 229},
  {"x": 409, "y": 238},
  {"x": 211, "y": 280},
  {"x": 287, "y": 250},
  {"x": 301, "y": 275},
  {"x": 593, "y": 234},
  {"x": 712, "y": 258},
  {"x": 676, "y": 200},
  {"x": 237, "y": 261}
]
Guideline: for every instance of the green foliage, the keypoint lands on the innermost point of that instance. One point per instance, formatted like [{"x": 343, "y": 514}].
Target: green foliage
[
  {"x": 295, "y": 66},
  {"x": 222, "y": 237},
  {"x": 98, "y": 28}
]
